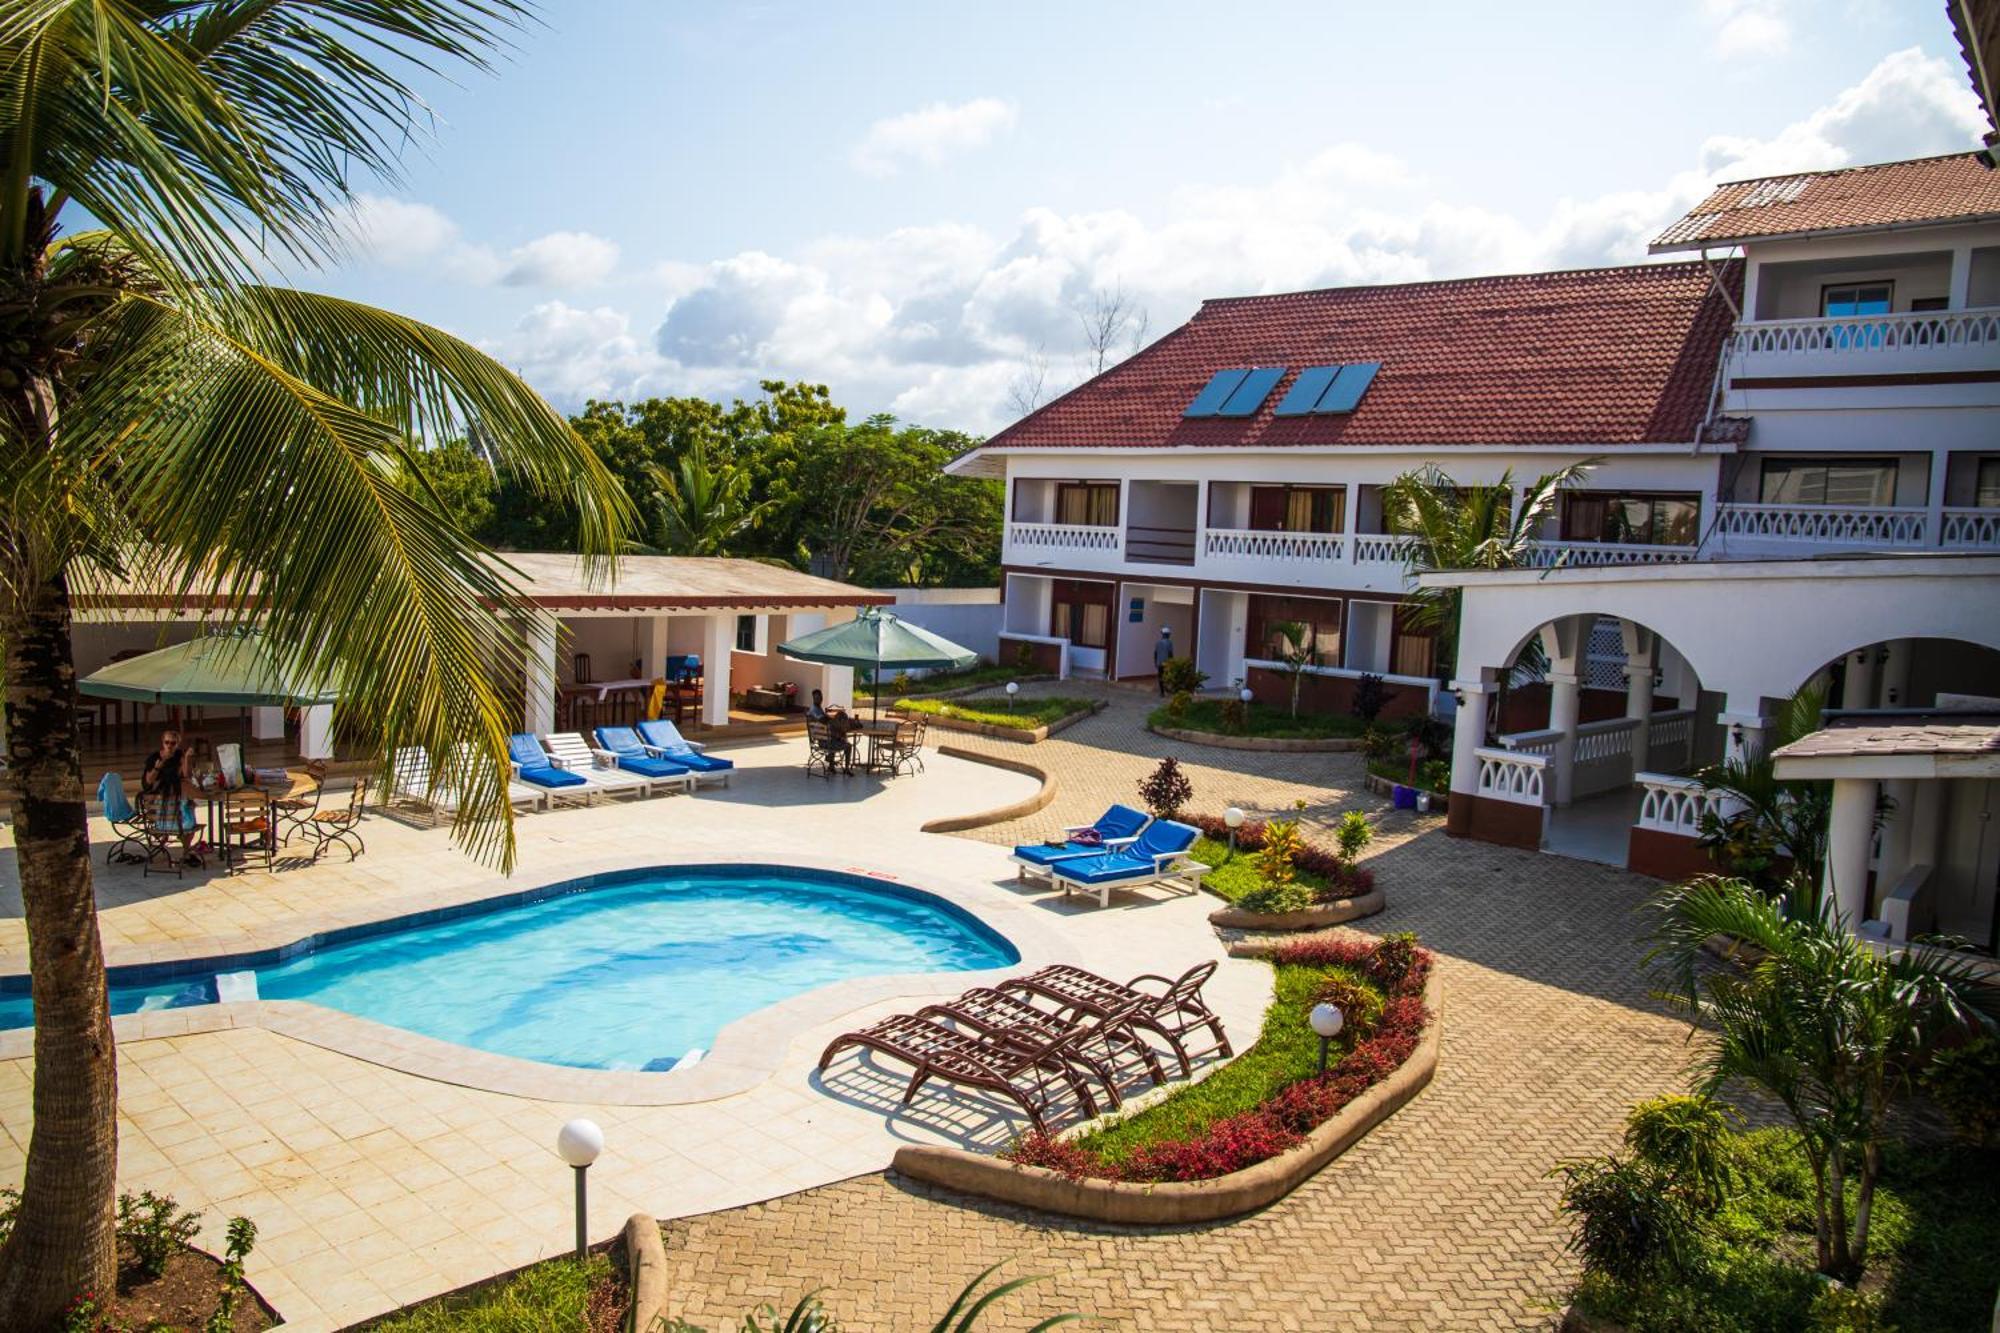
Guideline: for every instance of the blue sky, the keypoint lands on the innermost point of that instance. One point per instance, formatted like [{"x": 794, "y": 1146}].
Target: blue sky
[{"x": 911, "y": 202}]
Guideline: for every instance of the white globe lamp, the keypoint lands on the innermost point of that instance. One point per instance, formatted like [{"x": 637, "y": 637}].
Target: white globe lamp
[
  {"x": 1013, "y": 688},
  {"x": 1327, "y": 1021},
  {"x": 1233, "y": 817},
  {"x": 578, "y": 1143}
]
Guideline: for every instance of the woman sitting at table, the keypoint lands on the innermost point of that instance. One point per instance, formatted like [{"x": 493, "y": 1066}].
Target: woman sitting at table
[{"x": 163, "y": 779}]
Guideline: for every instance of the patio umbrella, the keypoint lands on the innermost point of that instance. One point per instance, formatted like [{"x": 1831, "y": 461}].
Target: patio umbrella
[
  {"x": 876, "y": 639},
  {"x": 223, "y": 670}
]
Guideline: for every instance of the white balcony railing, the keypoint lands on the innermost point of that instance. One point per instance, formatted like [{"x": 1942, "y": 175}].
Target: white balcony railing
[
  {"x": 1516, "y": 778},
  {"x": 1062, "y": 537},
  {"x": 1377, "y": 548},
  {"x": 1826, "y": 525},
  {"x": 1672, "y": 805},
  {"x": 1669, "y": 740},
  {"x": 1928, "y": 332},
  {"x": 1546, "y": 555},
  {"x": 1971, "y": 529},
  {"x": 1239, "y": 544}
]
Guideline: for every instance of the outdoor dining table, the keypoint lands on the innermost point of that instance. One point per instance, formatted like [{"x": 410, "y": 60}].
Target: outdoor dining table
[
  {"x": 274, "y": 783},
  {"x": 881, "y": 734}
]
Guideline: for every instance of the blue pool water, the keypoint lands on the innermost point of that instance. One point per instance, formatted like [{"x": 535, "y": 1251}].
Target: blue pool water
[{"x": 624, "y": 972}]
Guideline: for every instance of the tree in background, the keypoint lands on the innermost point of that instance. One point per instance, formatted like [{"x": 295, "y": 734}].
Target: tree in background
[
  {"x": 169, "y": 421},
  {"x": 702, "y": 507}
]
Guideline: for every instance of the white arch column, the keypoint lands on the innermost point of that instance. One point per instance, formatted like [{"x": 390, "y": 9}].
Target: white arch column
[
  {"x": 1468, "y": 734},
  {"x": 1642, "y": 659},
  {"x": 1565, "y": 641},
  {"x": 539, "y": 675},
  {"x": 1859, "y": 689},
  {"x": 1850, "y": 830}
]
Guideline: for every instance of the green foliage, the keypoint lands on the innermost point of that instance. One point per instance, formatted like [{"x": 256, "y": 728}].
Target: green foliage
[
  {"x": 156, "y": 1227},
  {"x": 702, "y": 506},
  {"x": 1379, "y": 743},
  {"x": 1768, "y": 818},
  {"x": 1232, "y": 717},
  {"x": 1180, "y": 676},
  {"x": 1830, "y": 1030},
  {"x": 1294, "y": 646},
  {"x": 1177, "y": 705},
  {"x": 10, "y": 1205},
  {"x": 1351, "y": 835},
  {"x": 1454, "y": 526},
  {"x": 1021, "y": 714},
  {"x": 1234, "y": 874},
  {"x": 1685, "y": 1140},
  {"x": 242, "y": 1238},
  {"x": 1624, "y": 1223},
  {"x": 1279, "y": 888},
  {"x": 547, "y": 1297},
  {"x": 457, "y": 479},
  {"x": 966, "y": 1312},
  {"x": 1370, "y": 697},
  {"x": 1166, "y": 790},
  {"x": 1965, "y": 1083},
  {"x": 1286, "y": 1051}
]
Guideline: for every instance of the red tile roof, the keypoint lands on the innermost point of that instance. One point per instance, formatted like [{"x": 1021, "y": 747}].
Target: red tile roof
[
  {"x": 1928, "y": 190},
  {"x": 1583, "y": 358}
]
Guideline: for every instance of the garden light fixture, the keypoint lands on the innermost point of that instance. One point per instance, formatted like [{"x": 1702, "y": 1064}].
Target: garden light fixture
[
  {"x": 1245, "y": 695},
  {"x": 1233, "y": 817},
  {"x": 1327, "y": 1021},
  {"x": 1013, "y": 688},
  {"x": 578, "y": 1143}
]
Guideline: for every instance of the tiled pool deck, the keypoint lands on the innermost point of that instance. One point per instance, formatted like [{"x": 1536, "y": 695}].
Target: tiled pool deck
[{"x": 382, "y": 1167}]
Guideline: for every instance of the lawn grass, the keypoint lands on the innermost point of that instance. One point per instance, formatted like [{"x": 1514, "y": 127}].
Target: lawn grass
[
  {"x": 1262, "y": 721},
  {"x": 984, "y": 674},
  {"x": 1935, "y": 1231},
  {"x": 1235, "y": 874},
  {"x": 1024, "y": 715},
  {"x": 552, "y": 1295},
  {"x": 1286, "y": 1051}
]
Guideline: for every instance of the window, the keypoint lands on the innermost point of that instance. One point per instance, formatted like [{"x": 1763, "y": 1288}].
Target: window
[
  {"x": 1088, "y": 504},
  {"x": 1298, "y": 508},
  {"x": 746, "y": 634},
  {"x": 1081, "y": 613},
  {"x": 1864, "y": 298},
  {"x": 1986, "y": 488},
  {"x": 1319, "y": 616},
  {"x": 1413, "y": 651},
  {"x": 1631, "y": 518},
  {"x": 1828, "y": 481},
  {"x": 1930, "y": 303}
]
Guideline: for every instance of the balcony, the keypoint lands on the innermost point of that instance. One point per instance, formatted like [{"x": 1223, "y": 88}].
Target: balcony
[
  {"x": 1240, "y": 553},
  {"x": 1590, "y": 555},
  {"x": 1064, "y": 544},
  {"x": 1921, "y": 342}
]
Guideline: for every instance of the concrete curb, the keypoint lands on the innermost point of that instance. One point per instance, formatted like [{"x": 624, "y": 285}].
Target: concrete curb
[
  {"x": 1017, "y": 735},
  {"x": 999, "y": 814},
  {"x": 1269, "y": 744},
  {"x": 646, "y": 1270},
  {"x": 1177, "y": 1203},
  {"x": 1335, "y": 913}
]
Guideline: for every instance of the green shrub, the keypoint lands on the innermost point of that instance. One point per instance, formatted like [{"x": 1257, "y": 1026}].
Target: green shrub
[
  {"x": 1379, "y": 743},
  {"x": 1178, "y": 704},
  {"x": 1278, "y": 887},
  {"x": 1370, "y": 697},
  {"x": 1686, "y": 1141},
  {"x": 156, "y": 1227},
  {"x": 1351, "y": 835},
  {"x": 242, "y": 1238},
  {"x": 1965, "y": 1082},
  {"x": 1627, "y": 1224},
  {"x": 1179, "y": 676},
  {"x": 1235, "y": 715}
]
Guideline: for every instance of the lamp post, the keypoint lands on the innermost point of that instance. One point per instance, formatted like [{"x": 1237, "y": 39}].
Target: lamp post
[
  {"x": 1327, "y": 1020},
  {"x": 1233, "y": 817},
  {"x": 578, "y": 1143},
  {"x": 1013, "y": 688},
  {"x": 1245, "y": 695}
]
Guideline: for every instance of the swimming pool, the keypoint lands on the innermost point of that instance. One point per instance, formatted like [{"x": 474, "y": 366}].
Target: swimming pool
[{"x": 625, "y": 971}]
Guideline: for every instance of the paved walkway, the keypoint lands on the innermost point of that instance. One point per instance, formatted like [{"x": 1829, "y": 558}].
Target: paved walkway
[{"x": 1442, "y": 1218}]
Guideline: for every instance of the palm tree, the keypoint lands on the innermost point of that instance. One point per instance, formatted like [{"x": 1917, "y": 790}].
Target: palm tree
[
  {"x": 173, "y": 421},
  {"x": 1831, "y": 1029},
  {"x": 1470, "y": 526},
  {"x": 703, "y": 506},
  {"x": 1765, "y": 818}
]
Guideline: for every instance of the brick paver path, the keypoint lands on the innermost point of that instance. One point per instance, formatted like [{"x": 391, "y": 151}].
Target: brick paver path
[{"x": 1441, "y": 1218}]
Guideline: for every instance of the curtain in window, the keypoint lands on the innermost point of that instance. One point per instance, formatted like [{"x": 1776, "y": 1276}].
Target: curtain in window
[{"x": 1859, "y": 481}]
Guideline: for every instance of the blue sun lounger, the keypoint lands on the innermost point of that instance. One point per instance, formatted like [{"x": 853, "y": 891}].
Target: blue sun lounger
[
  {"x": 1115, "y": 828},
  {"x": 623, "y": 744},
  {"x": 1157, "y": 856},
  {"x": 533, "y": 766},
  {"x": 664, "y": 740}
]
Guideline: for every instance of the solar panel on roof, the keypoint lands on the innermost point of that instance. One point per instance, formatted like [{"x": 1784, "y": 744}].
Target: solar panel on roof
[
  {"x": 1345, "y": 392},
  {"x": 1210, "y": 400},
  {"x": 1250, "y": 394},
  {"x": 1305, "y": 392}
]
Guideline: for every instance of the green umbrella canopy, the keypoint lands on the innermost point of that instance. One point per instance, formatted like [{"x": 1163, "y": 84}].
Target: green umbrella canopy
[
  {"x": 226, "y": 670},
  {"x": 877, "y": 639}
]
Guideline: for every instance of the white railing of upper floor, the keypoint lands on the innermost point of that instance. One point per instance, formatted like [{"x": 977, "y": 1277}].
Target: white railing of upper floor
[
  {"x": 1970, "y": 529},
  {"x": 1823, "y": 524},
  {"x": 1247, "y": 544},
  {"x": 1861, "y": 335},
  {"x": 1064, "y": 537},
  {"x": 1589, "y": 555}
]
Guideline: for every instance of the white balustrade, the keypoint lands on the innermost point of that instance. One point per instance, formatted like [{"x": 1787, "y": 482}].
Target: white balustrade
[
  {"x": 1590, "y": 555},
  {"x": 1234, "y": 544},
  {"x": 1376, "y": 548},
  {"x": 1062, "y": 537},
  {"x": 1506, "y": 775},
  {"x": 1845, "y": 525},
  {"x": 1603, "y": 759},
  {"x": 1861, "y": 335},
  {"x": 1672, "y": 805},
  {"x": 1542, "y": 742},
  {"x": 1971, "y": 529},
  {"x": 1669, "y": 740}
]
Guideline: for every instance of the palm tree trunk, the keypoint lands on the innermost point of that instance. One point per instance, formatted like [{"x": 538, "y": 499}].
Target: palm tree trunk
[
  {"x": 63, "y": 1242},
  {"x": 1864, "y": 1203},
  {"x": 1838, "y": 1264}
]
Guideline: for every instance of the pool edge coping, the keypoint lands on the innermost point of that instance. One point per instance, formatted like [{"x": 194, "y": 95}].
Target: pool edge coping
[{"x": 745, "y": 1054}]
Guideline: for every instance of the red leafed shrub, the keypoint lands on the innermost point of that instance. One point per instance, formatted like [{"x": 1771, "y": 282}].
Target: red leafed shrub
[
  {"x": 1306, "y": 1103},
  {"x": 1403, "y": 1013},
  {"x": 1228, "y": 1145},
  {"x": 1038, "y": 1149},
  {"x": 1342, "y": 881},
  {"x": 1392, "y": 960},
  {"x": 1326, "y": 951}
]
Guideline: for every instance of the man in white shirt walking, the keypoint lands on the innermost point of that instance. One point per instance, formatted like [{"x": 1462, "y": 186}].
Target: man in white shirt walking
[{"x": 1162, "y": 650}]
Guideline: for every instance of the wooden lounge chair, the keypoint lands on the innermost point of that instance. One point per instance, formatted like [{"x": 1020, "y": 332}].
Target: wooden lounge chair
[
  {"x": 1018, "y": 1072},
  {"x": 1011, "y": 1020},
  {"x": 1171, "y": 1012}
]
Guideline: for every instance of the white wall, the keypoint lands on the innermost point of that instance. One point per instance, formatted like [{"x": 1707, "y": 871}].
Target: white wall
[
  {"x": 1164, "y": 607},
  {"x": 969, "y": 617},
  {"x": 1027, "y": 609},
  {"x": 1224, "y": 617}
]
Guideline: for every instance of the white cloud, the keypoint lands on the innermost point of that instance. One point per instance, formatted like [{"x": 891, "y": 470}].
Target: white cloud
[
  {"x": 934, "y": 322},
  {"x": 931, "y": 134},
  {"x": 562, "y": 259},
  {"x": 397, "y": 232},
  {"x": 1748, "y": 29}
]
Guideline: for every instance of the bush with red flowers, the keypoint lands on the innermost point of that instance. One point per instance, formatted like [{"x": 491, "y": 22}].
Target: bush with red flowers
[
  {"x": 1380, "y": 983},
  {"x": 1342, "y": 880}
]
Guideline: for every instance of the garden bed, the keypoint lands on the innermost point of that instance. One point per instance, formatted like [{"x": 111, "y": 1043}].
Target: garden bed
[
  {"x": 969, "y": 681},
  {"x": 588, "y": 1296},
  {"x": 1341, "y": 893},
  {"x": 1204, "y": 722},
  {"x": 1257, "y": 1126},
  {"x": 1025, "y": 720}
]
